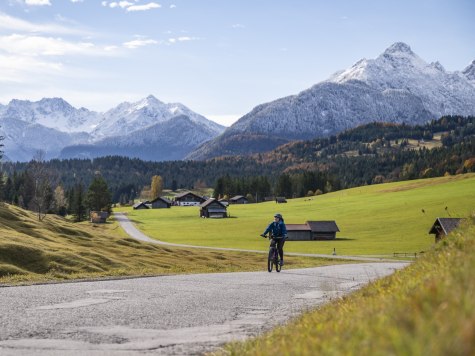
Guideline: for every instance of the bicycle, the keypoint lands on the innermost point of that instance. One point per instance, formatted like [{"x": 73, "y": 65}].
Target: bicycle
[{"x": 273, "y": 258}]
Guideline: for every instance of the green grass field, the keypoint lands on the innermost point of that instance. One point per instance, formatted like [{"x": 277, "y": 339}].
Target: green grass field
[
  {"x": 373, "y": 220},
  {"x": 427, "y": 308}
]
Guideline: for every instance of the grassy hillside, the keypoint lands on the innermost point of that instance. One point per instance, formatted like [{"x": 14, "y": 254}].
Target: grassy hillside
[
  {"x": 56, "y": 249},
  {"x": 373, "y": 220},
  {"x": 426, "y": 309}
]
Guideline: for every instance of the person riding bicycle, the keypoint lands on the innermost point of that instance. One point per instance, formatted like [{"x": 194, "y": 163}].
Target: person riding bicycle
[{"x": 279, "y": 234}]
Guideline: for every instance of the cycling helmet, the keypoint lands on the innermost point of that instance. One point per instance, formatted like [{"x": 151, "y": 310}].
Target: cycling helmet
[{"x": 278, "y": 216}]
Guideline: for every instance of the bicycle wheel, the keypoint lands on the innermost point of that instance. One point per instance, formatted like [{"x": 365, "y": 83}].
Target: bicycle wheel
[
  {"x": 278, "y": 267},
  {"x": 270, "y": 260}
]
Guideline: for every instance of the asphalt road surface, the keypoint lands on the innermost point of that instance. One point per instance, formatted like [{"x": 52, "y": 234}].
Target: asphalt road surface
[{"x": 168, "y": 315}]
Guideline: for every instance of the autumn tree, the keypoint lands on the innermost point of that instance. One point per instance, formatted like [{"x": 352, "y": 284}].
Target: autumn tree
[{"x": 156, "y": 187}]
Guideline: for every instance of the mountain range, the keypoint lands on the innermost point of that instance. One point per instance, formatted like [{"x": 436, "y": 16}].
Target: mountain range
[
  {"x": 147, "y": 129},
  {"x": 397, "y": 86}
]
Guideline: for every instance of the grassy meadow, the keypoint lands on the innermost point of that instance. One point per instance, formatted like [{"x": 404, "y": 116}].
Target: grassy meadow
[
  {"x": 56, "y": 249},
  {"x": 427, "y": 308},
  {"x": 373, "y": 220}
]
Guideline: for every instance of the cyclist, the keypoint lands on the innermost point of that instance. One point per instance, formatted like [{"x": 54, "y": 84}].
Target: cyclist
[{"x": 279, "y": 234}]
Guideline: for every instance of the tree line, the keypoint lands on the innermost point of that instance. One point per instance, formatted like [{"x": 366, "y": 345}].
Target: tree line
[{"x": 369, "y": 154}]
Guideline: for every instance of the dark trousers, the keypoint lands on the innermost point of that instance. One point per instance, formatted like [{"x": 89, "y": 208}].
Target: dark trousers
[{"x": 279, "y": 243}]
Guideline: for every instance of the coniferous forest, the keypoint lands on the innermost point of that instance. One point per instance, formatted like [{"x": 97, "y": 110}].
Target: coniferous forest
[{"x": 369, "y": 154}]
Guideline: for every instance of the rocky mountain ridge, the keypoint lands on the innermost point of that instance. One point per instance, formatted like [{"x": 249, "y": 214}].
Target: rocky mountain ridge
[{"x": 397, "y": 86}]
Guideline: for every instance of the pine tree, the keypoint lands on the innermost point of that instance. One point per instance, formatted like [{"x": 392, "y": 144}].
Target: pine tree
[
  {"x": 98, "y": 196},
  {"x": 78, "y": 207}
]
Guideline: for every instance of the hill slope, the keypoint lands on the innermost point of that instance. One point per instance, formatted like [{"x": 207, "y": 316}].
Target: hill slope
[{"x": 426, "y": 309}]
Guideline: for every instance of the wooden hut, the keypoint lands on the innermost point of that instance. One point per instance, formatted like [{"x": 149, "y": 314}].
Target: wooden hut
[
  {"x": 443, "y": 226},
  {"x": 312, "y": 231},
  {"x": 213, "y": 208},
  {"x": 160, "y": 203},
  {"x": 238, "y": 199},
  {"x": 189, "y": 199},
  {"x": 280, "y": 200},
  {"x": 140, "y": 205}
]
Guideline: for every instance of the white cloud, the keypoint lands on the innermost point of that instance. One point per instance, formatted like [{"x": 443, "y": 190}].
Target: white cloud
[
  {"x": 139, "y": 43},
  {"x": 172, "y": 6},
  {"x": 37, "y": 2},
  {"x": 149, "y": 6},
  {"x": 124, "y": 4},
  {"x": 8, "y": 22},
  {"x": 182, "y": 39},
  {"x": 238, "y": 25},
  {"x": 74, "y": 1},
  {"x": 35, "y": 46},
  {"x": 18, "y": 69}
]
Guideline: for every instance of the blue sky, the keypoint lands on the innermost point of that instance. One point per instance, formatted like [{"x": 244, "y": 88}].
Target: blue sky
[{"x": 220, "y": 58}]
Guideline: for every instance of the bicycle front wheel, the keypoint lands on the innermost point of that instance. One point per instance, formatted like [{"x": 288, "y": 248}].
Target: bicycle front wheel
[
  {"x": 278, "y": 267},
  {"x": 270, "y": 260}
]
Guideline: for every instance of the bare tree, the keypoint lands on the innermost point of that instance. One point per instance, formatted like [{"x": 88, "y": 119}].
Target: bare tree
[{"x": 42, "y": 181}]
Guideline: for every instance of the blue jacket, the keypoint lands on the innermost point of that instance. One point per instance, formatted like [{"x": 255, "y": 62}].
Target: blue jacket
[{"x": 277, "y": 229}]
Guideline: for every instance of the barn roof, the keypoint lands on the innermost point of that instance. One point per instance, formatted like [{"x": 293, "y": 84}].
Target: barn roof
[
  {"x": 323, "y": 226},
  {"x": 446, "y": 224},
  {"x": 237, "y": 197},
  {"x": 140, "y": 204},
  {"x": 165, "y": 200},
  {"x": 212, "y": 200},
  {"x": 297, "y": 227},
  {"x": 181, "y": 195}
]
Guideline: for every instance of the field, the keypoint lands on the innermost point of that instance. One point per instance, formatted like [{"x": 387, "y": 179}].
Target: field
[
  {"x": 56, "y": 249},
  {"x": 375, "y": 220}
]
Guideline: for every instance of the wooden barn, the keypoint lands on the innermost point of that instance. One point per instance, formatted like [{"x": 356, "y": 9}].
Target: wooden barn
[
  {"x": 160, "y": 203},
  {"x": 213, "y": 208},
  {"x": 280, "y": 200},
  {"x": 238, "y": 199},
  {"x": 189, "y": 199},
  {"x": 312, "y": 231},
  {"x": 443, "y": 226},
  {"x": 140, "y": 205}
]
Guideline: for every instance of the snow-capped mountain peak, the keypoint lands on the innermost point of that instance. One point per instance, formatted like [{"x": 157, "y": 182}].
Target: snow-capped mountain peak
[
  {"x": 399, "y": 48},
  {"x": 469, "y": 72},
  {"x": 129, "y": 117}
]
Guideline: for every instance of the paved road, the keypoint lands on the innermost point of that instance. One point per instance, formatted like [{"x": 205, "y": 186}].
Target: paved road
[
  {"x": 135, "y": 233},
  {"x": 184, "y": 314}
]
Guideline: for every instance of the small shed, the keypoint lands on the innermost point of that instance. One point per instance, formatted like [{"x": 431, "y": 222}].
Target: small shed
[
  {"x": 160, "y": 203},
  {"x": 189, "y": 199},
  {"x": 280, "y": 200},
  {"x": 312, "y": 231},
  {"x": 443, "y": 226},
  {"x": 99, "y": 217},
  {"x": 140, "y": 205},
  {"x": 213, "y": 208},
  {"x": 238, "y": 199},
  {"x": 298, "y": 232}
]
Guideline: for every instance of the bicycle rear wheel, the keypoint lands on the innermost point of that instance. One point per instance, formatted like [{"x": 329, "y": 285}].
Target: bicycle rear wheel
[
  {"x": 278, "y": 267},
  {"x": 270, "y": 260}
]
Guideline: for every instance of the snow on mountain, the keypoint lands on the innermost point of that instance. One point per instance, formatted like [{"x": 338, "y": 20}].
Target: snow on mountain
[
  {"x": 23, "y": 139},
  {"x": 169, "y": 140},
  {"x": 442, "y": 92},
  {"x": 53, "y": 113},
  {"x": 130, "y": 117},
  {"x": 397, "y": 86},
  {"x": 469, "y": 72},
  {"x": 53, "y": 124}
]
